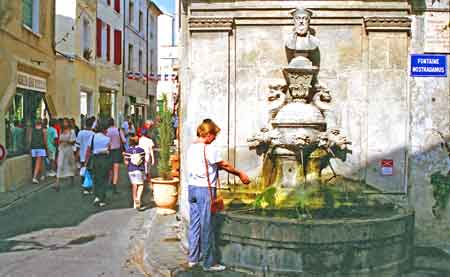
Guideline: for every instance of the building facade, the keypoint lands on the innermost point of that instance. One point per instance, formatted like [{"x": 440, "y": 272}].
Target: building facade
[
  {"x": 27, "y": 82},
  {"x": 109, "y": 58},
  {"x": 76, "y": 82},
  {"x": 154, "y": 13},
  {"x": 167, "y": 58},
  {"x": 233, "y": 50},
  {"x": 138, "y": 84}
]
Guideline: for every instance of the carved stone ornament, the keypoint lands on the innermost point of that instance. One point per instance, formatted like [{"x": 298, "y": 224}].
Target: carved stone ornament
[
  {"x": 391, "y": 23},
  {"x": 203, "y": 23}
]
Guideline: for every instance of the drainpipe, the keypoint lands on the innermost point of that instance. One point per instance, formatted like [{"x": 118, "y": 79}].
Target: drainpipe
[
  {"x": 123, "y": 47},
  {"x": 146, "y": 63}
]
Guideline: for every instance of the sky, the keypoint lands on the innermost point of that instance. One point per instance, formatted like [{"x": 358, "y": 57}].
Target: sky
[
  {"x": 166, "y": 5},
  {"x": 67, "y": 8}
]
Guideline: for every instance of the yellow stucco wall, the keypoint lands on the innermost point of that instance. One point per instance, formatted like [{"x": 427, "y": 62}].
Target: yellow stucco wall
[{"x": 23, "y": 50}]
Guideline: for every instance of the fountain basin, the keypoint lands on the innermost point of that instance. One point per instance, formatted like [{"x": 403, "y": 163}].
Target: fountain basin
[{"x": 379, "y": 245}]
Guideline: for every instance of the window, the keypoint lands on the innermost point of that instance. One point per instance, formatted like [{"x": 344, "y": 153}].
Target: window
[
  {"x": 86, "y": 41},
  {"x": 141, "y": 21},
  {"x": 131, "y": 13},
  {"x": 30, "y": 14},
  {"x": 117, "y": 5},
  {"x": 117, "y": 47},
  {"x": 130, "y": 57},
  {"x": 25, "y": 108},
  {"x": 140, "y": 61},
  {"x": 103, "y": 41},
  {"x": 151, "y": 61},
  {"x": 152, "y": 23}
]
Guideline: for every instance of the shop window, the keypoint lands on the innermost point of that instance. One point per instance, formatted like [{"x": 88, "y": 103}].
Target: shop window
[
  {"x": 26, "y": 106},
  {"x": 107, "y": 103}
]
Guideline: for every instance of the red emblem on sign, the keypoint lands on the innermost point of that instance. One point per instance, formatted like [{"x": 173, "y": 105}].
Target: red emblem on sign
[
  {"x": 387, "y": 167},
  {"x": 3, "y": 152}
]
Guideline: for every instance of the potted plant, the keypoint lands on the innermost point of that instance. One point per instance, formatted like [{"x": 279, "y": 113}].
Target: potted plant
[{"x": 165, "y": 187}]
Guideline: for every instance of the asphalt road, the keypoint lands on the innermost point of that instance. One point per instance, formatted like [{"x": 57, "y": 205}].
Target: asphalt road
[{"x": 54, "y": 234}]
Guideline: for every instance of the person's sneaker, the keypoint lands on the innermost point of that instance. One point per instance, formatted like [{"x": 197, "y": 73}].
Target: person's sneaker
[
  {"x": 216, "y": 267},
  {"x": 85, "y": 192},
  {"x": 192, "y": 264},
  {"x": 35, "y": 181},
  {"x": 101, "y": 204},
  {"x": 96, "y": 200},
  {"x": 51, "y": 173}
]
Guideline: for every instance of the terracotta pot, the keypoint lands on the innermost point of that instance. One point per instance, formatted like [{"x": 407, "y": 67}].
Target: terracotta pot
[
  {"x": 165, "y": 192},
  {"x": 175, "y": 164}
]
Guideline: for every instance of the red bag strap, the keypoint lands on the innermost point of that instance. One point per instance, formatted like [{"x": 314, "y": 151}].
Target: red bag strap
[{"x": 207, "y": 175}]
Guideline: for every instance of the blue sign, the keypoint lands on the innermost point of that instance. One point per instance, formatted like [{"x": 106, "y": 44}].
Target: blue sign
[{"x": 428, "y": 65}]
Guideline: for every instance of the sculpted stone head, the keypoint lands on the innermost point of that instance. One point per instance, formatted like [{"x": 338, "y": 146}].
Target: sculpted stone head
[{"x": 302, "y": 18}]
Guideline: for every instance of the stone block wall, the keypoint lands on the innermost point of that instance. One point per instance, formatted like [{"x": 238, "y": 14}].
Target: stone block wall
[{"x": 233, "y": 49}]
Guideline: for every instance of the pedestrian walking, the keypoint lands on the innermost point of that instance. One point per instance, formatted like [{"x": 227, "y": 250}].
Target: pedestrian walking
[
  {"x": 128, "y": 130},
  {"x": 66, "y": 159},
  {"x": 38, "y": 147},
  {"x": 74, "y": 126},
  {"x": 101, "y": 163},
  {"x": 52, "y": 136},
  {"x": 203, "y": 168},
  {"x": 117, "y": 141},
  {"x": 146, "y": 143},
  {"x": 134, "y": 159},
  {"x": 83, "y": 141}
]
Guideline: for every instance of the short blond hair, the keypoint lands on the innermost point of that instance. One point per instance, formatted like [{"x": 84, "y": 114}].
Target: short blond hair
[{"x": 207, "y": 127}]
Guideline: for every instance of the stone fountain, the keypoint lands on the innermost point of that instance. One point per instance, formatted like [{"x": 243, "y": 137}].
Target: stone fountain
[{"x": 301, "y": 223}]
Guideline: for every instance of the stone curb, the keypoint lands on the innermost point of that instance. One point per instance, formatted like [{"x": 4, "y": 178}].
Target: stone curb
[
  {"x": 163, "y": 255},
  {"x": 22, "y": 193}
]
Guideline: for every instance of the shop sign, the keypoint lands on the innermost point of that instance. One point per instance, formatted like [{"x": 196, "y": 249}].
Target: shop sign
[
  {"x": 3, "y": 153},
  {"x": 27, "y": 81},
  {"x": 428, "y": 65},
  {"x": 387, "y": 167}
]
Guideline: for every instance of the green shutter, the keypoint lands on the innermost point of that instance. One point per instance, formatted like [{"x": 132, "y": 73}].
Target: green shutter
[{"x": 27, "y": 13}]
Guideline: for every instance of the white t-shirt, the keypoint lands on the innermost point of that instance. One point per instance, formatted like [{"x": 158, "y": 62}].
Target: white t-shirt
[
  {"x": 196, "y": 165},
  {"x": 146, "y": 144},
  {"x": 101, "y": 143},
  {"x": 83, "y": 141}
]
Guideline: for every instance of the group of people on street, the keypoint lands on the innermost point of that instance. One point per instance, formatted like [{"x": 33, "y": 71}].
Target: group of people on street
[
  {"x": 52, "y": 148},
  {"x": 100, "y": 148}
]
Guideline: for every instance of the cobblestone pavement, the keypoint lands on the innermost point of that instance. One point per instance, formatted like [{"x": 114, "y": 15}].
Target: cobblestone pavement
[{"x": 54, "y": 234}]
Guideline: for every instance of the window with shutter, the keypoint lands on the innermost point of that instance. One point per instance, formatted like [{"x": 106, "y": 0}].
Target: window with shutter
[
  {"x": 117, "y": 5},
  {"x": 108, "y": 42},
  {"x": 99, "y": 37},
  {"x": 27, "y": 13},
  {"x": 117, "y": 47}
]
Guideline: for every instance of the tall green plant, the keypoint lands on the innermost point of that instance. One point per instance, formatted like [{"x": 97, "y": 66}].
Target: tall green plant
[{"x": 165, "y": 139}]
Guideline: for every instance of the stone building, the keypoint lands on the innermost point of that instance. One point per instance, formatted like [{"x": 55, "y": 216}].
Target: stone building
[
  {"x": 109, "y": 57},
  {"x": 27, "y": 82},
  {"x": 232, "y": 51},
  {"x": 167, "y": 57},
  {"x": 140, "y": 88},
  {"x": 76, "y": 82}
]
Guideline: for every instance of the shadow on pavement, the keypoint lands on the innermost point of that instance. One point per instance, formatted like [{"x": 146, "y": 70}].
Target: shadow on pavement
[{"x": 48, "y": 209}]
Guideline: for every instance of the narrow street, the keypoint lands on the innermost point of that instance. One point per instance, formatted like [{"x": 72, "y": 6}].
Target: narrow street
[{"x": 63, "y": 234}]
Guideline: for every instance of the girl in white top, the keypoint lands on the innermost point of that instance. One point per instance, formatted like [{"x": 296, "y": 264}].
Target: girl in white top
[
  {"x": 201, "y": 233},
  {"x": 146, "y": 143}
]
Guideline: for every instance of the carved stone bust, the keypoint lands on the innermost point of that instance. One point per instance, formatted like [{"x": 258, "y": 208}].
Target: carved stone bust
[{"x": 301, "y": 41}]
